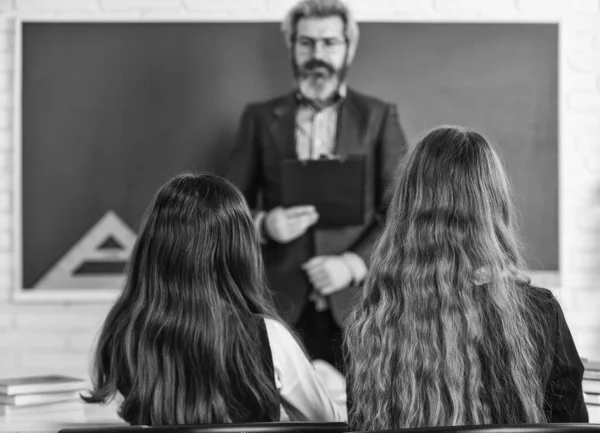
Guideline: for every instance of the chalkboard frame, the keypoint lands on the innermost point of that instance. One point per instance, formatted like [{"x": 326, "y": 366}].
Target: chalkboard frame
[{"x": 550, "y": 279}]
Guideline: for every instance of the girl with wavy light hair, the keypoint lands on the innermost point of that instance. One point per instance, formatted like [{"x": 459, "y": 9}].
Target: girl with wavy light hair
[
  {"x": 448, "y": 330},
  {"x": 194, "y": 337}
]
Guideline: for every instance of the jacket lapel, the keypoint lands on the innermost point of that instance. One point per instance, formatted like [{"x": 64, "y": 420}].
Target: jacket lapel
[
  {"x": 350, "y": 120},
  {"x": 283, "y": 127},
  {"x": 349, "y": 138}
]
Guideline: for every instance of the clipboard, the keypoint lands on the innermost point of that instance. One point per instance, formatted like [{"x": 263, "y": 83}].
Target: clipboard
[{"x": 335, "y": 186}]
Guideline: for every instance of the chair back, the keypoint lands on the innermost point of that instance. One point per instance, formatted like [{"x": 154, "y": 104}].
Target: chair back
[
  {"x": 255, "y": 427},
  {"x": 509, "y": 428}
]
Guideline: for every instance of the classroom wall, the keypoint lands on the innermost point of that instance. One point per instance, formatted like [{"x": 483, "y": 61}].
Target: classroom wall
[{"x": 40, "y": 337}]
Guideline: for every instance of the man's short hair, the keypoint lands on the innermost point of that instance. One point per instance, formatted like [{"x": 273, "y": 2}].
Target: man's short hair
[{"x": 322, "y": 9}]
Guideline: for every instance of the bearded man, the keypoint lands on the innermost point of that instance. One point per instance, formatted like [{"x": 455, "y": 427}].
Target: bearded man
[{"x": 314, "y": 272}]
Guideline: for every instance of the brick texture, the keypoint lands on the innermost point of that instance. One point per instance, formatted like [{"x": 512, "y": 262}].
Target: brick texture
[{"x": 58, "y": 337}]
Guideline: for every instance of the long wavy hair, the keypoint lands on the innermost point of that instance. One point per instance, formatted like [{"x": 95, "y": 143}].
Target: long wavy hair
[
  {"x": 181, "y": 343},
  {"x": 442, "y": 332}
]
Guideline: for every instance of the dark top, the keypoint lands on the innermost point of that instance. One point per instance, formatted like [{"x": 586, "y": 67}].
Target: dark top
[
  {"x": 266, "y": 350},
  {"x": 261, "y": 413},
  {"x": 562, "y": 366}
]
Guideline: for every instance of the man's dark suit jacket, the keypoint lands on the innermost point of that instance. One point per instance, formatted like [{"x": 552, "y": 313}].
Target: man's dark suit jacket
[{"x": 266, "y": 137}]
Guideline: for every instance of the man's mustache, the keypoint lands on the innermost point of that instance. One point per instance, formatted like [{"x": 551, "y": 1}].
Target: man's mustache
[{"x": 313, "y": 64}]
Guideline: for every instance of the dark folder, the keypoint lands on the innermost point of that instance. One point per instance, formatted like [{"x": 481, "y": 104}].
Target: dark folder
[{"x": 336, "y": 187}]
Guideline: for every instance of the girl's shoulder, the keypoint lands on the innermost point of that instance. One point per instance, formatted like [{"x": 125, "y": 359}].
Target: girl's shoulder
[{"x": 540, "y": 297}]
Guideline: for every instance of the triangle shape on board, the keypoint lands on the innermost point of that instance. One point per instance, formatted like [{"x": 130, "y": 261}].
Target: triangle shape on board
[
  {"x": 91, "y": 248},
  {"x": 110, "y": 244}
]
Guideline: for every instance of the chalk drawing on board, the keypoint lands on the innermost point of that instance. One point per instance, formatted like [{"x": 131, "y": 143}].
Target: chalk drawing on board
[{"x": 96, "y": 261}]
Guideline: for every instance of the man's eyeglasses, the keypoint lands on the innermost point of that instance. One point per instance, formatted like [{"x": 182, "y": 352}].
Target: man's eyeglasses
[{"x": 306, "y": 44}]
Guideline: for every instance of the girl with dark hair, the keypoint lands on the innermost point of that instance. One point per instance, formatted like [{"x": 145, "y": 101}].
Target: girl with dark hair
[
  {"x": 194, "y": 337},
  {"x": 448, "y": 330}
]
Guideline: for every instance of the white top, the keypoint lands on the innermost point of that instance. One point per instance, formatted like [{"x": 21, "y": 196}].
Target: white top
[{"x": 303, "y": 395}]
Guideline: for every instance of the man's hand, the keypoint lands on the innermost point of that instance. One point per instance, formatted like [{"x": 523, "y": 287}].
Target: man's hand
[
  {"x": 328, "y": 274},
  {"x": 285, "y": 225}
]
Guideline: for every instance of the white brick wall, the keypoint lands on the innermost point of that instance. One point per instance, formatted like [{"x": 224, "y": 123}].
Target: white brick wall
[
  {"x": 56, "y": 5},
  {"x": 57, "y": 337},
  {"x": 136, "y": 5}
]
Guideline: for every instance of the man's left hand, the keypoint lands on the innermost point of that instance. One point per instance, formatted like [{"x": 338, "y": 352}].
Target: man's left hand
[{"x": 328, "y": 274}]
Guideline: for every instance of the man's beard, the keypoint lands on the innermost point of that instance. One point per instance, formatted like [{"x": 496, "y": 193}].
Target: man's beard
[{"x": 318, "y": 80}]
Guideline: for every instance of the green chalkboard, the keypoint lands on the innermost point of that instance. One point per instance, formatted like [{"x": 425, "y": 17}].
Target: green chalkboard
[{"x": 110, "y": 111}]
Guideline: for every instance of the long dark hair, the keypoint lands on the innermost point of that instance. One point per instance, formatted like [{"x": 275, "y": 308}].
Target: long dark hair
[
  {"x": 443, "y": 333},
  {"x": 181, "y": 342}
]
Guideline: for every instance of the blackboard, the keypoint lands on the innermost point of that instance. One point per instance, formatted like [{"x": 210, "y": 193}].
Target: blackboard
[{"x": 110, "y": 111}]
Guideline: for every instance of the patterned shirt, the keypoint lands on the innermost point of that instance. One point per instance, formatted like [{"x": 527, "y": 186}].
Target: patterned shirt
[{"x": 316, "y": 127}]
